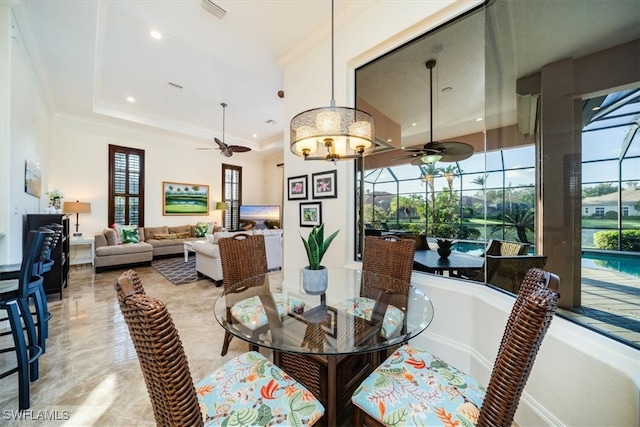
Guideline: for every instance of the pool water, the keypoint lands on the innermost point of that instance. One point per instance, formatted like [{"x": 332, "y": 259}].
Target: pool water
[
  {"x": 627, "y": 264},
  {"x": 620, "y": 262}
]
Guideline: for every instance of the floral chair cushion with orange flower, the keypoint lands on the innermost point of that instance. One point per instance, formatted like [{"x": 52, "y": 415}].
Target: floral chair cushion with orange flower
[
  {"x": 251, "y": 313},
  {"x": 413, "y": 387},
  {"x": 363, "y": 307},
  {"x": 250, "y": 391}
]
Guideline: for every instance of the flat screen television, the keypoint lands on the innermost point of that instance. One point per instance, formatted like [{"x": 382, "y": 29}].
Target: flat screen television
[{"x": 259, "y": 217}]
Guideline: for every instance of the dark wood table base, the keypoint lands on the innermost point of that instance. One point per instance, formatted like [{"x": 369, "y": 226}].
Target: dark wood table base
[{"x": 332, "y": 379}]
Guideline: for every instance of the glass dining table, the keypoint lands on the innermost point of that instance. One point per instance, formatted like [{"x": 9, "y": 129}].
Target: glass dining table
[{"x": 328, "y": 342}]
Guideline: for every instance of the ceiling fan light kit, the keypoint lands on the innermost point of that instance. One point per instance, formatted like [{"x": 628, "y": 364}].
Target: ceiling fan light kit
[
  {"x": 433, "y": 151},
  {"x": 332, "y": 133}
]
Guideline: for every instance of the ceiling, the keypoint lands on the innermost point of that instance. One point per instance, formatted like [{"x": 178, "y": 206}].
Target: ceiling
[
  {"x": 92, "y": 55},
  {"x": 480, "y": 57}
]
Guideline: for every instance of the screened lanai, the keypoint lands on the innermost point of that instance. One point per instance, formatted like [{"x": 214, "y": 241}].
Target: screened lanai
[{"x": 552, "y": 117}]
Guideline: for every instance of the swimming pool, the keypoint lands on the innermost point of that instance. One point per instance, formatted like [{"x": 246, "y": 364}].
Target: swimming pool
[
  {"x": 616, "y": 261},
  {"x": 627, "y": 263}
]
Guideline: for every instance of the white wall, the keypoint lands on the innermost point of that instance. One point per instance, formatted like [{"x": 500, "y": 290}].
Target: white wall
[
  {"x": 80, "y": 169},
  {"x": 378, "y": 29},
  {"x": 28, "y": 141},
  {"x": 580, "y": 378}
]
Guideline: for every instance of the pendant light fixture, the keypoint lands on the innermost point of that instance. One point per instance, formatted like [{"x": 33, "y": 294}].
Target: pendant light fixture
[{"x": 332, "y": 133}]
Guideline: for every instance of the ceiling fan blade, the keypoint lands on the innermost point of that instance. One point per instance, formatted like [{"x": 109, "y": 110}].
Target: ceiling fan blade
[
  {"x": 453, "y": 151},
  {"x": 221, "y": 144},
  {"x": 239, "y": 148},
  {"x": 203, "y": 148}
]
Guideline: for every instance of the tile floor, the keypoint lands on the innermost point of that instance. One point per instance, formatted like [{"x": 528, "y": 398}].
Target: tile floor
[{"x": 90, "y": 374}]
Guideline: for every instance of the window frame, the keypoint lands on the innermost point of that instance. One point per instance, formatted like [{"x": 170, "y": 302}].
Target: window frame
[
  {"x": 113, "y": 150},
  {"x": 231, "y": 216}
]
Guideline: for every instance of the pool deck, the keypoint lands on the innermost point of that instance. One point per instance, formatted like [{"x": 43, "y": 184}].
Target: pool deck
[{"x": 610, "y": 303}]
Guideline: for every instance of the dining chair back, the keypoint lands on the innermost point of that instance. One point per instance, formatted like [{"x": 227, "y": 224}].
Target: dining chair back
[
  {"x": 242, "y": 256},
  {"x": 387, "y": 266},
  {"x": 427, "y": 387},
  {"x": 246, "y": 390},
  {"x": 389, "y": 255}
]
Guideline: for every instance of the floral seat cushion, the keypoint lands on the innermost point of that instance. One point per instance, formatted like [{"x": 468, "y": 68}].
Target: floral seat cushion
[
  {"x": 250, "y": 391},
  {"x": 415, "y": 388},
  {"x": 251, "y": 313},
  {"x": 363, "y": 307}
]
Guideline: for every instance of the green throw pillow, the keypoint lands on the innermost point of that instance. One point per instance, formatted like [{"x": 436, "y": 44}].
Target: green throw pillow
[
  {"x": 130, "y": 235},
  {"x": 203, "y": 228}
]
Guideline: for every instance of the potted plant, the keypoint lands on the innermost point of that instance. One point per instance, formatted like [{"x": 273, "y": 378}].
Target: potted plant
[
  {"x": 444, "y": 247},
  {"x": 314, "y": 276}
]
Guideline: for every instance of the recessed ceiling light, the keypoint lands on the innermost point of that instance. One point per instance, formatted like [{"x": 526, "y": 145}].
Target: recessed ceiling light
[
  {"x": 595, "y": 108},
  {"x": 131, "y": 99},
  {"x": 389, "y": 140},
  {"x": 255, "y": 135},
  {"x": 155, "y": 34},
  {"x": 479, "y": 119},
  {"x": 414, "y": 124}
]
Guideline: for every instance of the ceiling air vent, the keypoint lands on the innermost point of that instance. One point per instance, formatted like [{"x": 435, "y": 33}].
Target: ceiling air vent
[{"x": 214, "y": 8}]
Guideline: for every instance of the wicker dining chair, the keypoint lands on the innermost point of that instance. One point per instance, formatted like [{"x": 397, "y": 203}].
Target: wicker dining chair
[
  {"x": 243, "y": 256},
  {"x": 426, "y": 387},
  {"x": 247, "y": 389},
  {"x": 384, "y": 257}
]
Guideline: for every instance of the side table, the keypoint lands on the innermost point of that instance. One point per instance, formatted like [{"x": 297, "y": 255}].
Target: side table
[{"x": 82, "y": 250}]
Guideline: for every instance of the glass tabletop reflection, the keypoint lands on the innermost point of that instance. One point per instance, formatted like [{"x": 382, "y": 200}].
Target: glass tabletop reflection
[{"x": 360, "y": 312}]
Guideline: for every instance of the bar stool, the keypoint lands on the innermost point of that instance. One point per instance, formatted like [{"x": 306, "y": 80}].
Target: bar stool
[{"x": 14, "y": 302}]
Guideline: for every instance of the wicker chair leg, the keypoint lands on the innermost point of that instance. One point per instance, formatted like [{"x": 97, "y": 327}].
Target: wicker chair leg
[{"x": 225, "y": 344}]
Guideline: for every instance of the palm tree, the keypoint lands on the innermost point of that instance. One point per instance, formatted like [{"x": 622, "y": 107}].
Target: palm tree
[{"x": 521, "y": 221}]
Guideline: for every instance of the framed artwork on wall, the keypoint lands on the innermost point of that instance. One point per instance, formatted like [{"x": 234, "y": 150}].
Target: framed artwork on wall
[
  {"x": 310, "y": 214},
  {"x": 324, "y": 185},
  {"x": 297, "y": 187},
  {"x": 32, "y": 179},
  {"x": 179, "y": 198}
]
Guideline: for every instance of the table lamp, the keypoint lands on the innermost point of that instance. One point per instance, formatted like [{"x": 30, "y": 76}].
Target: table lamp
[{"x": 77, "y": 208}]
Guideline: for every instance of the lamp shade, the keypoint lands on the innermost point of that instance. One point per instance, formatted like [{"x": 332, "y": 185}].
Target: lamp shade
[
  {"x": 332, "y": 133},
  {"x": 221, "y": 206},
  {"x": 76, "y": 207}
]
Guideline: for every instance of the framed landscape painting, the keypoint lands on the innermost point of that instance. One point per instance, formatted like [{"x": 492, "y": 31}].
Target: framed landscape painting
[
  {"x": 310, "y": 214},
  {"x": 179, "y": 198},
  {"x": 324, "y": 185},
  {"x": 32, "y": 179},
  {"x": 297, "y": 187}
]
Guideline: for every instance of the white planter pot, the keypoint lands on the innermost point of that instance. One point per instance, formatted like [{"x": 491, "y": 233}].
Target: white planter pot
[{"x": 314, "y": 282}]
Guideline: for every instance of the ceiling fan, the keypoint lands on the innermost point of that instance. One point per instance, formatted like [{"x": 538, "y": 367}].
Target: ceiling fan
[
  {"x": 226, "y": 150},
  {"x": 433, "y": 151}
]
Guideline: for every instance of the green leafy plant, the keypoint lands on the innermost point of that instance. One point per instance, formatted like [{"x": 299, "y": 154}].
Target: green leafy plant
[{"x": 316, "y": 246}]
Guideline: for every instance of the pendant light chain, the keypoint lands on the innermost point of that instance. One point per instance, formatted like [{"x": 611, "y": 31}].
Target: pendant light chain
[{"x": 333, "y": 99}]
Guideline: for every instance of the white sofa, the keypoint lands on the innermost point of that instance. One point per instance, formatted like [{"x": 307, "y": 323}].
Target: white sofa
[{"x": 208, "y": 253}]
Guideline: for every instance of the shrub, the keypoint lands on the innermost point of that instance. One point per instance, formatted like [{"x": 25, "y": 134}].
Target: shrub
[
  {"x": 630, "y": 240},
  {"x": 611, "y": 215}
]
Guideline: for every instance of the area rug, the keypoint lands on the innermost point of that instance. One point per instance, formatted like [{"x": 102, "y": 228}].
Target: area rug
[{"x": 176, "y": 270}]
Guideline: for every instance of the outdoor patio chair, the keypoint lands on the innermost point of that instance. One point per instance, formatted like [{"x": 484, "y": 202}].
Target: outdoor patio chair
[
  {"x": 507, "y": 272},
  {"x": 414, "y": 387}
]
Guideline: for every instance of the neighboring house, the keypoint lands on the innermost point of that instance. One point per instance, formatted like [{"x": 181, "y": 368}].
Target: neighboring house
[{"x": 599, "y": 205}]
